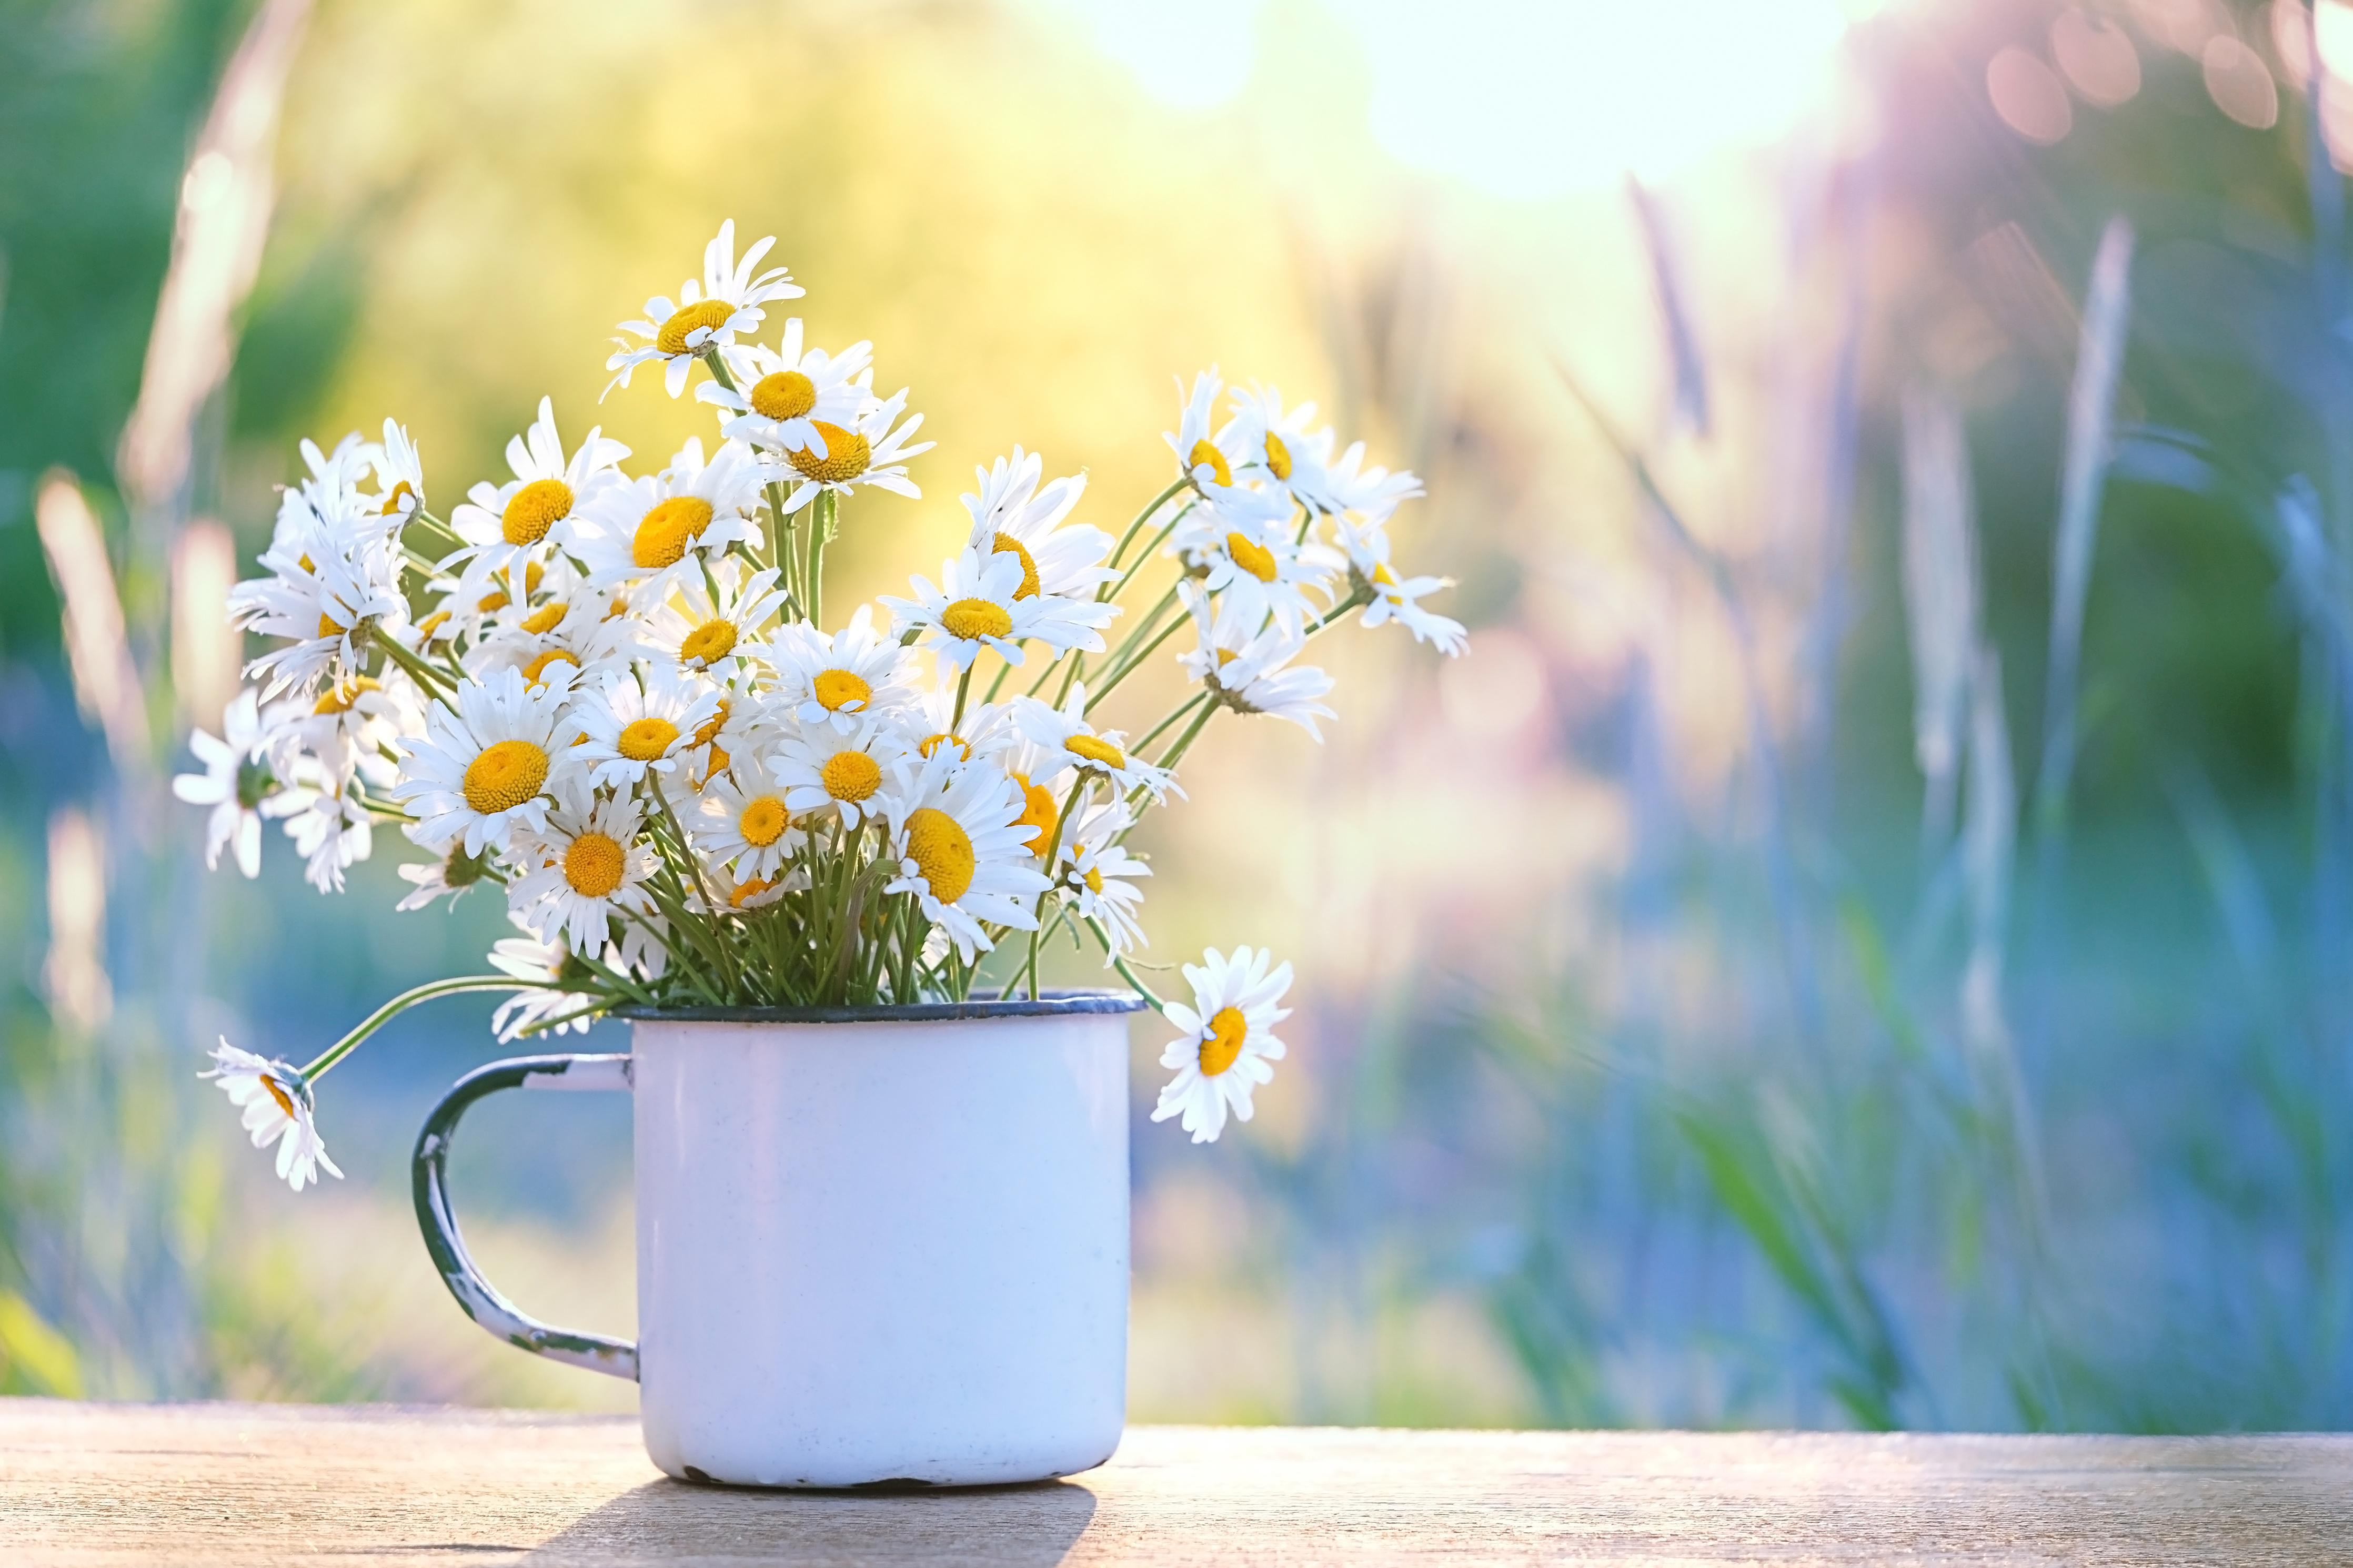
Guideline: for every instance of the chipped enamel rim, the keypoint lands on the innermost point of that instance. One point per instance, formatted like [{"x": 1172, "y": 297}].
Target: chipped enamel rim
[{"x": 1053, "y": 1003}]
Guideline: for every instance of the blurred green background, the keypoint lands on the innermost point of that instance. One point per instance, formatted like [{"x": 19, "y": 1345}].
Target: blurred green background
[{"x": 1861, "y": 939}]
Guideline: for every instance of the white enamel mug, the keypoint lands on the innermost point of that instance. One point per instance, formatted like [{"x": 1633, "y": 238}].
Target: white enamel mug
[{"x": 876, "y": 1246}]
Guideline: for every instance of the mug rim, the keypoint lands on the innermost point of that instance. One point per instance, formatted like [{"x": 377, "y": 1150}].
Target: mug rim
[{"x": 1052, "y": 1005}]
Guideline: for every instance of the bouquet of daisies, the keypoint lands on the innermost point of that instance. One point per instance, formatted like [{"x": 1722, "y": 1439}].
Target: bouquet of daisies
[{"x": 613, "y": 698}]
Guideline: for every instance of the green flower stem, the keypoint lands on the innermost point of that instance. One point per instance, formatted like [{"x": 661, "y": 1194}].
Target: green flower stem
[
  {"x": 1137, "y": 565},
  {"x": 1135, "y": 663},
  {"x": 686, "y": 853},
  {"x": 1174, "y": 714},
  {"x": 964, "y": 686},
  {"x": 1155, "y": 504},
  {"x": 1119, "y": 963},
  {"x": 424, "y": 674},
  {"x": 385, "y": 1015},
  {"x": 825, "y": 513}
]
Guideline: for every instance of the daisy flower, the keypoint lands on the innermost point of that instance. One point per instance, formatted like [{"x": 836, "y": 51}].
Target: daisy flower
[
  {"x": 327, "y": 584},
  {"x": 707, "y": 314},
  {"x": 744, "y": 824},
  {"x": 278, "y": 1110},
  {"x": 985, "y": 729},
  {"x": 485, "y": 769},
  {"x": 543, "y": 964},
  {"x": 1242, "y": 545},
  {"x": 1227, "y": 1040},
  {"x": 787, "y": 392},
  {"x": 1392, "y": 598},
  {"x": 235, "y": 783},
  {"x": 717, "y": 635},
  {"x": 1372, "y": 493},
  {"x": 1206, "y": 457},
  {"x": 332, "y": 833},
  {"x": 867, "y": 451},
  {"x": 959, "y": 853},
  {"x": 1013, "y": 515},
  {"x": 444, "y": 879},
  {"x": 1065, "y": 740},
  {"x": 820, "y": 766},
  {"x": 513, "y": 525},
  {"x": 576, "y": 624},
  {"x": 640, "y": 721},
  {"x": 1040, "y": 782},
  {"x": 586, "y": 869},
  {"x": 399, "y": 472},
  {"x": 839, "y": 679},
  {"x": 666, "y": 526},
  {"x": 981, "y": 607},
  {"x": 353, "y": 722},
  {"x": 1247, "y": 672},
  {"x": 1278, "y": 443},
  {"x": 1097, "y": 874}
]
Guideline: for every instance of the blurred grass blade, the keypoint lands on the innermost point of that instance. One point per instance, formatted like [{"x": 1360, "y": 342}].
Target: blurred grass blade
[
  {"x": 2091, "y": 406},
  {"x": 1940, "y": 598},
  {"x": 34, "y": 1357},
  {"x": 1690, "y": 399}
]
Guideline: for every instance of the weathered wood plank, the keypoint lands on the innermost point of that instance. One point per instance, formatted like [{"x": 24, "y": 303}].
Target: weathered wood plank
[{"x": 86, "y": 1485}]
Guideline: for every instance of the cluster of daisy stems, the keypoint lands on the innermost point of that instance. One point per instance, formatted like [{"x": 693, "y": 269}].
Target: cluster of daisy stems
[{"x": 613, "y": 698}]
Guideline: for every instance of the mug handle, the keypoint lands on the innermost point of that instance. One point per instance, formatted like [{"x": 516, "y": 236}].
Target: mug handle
[{"x": 478, "y": 1297}]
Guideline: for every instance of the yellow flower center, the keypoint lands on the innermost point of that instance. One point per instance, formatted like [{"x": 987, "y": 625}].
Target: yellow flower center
[
  {"x": 1006, "y": 544},
  {"x": 329, "y": 627},
  {"x": 941, "y": 852},
  {"x": 532, "y": 576},
  {"x": 1038, "y": 813},
  {"x": 496, "y": 599},
  {"x": 850, "y": 775},
  {"x": 838, "y": 689},
  {"x": 285, "y": 1102},
  {"x": 719, "y": 761},
  {"x": 645, "y": 739},
  {"x": 1251, "y": 556},
  {"x": 667, "y": 529},
  {"x": 1094, "y": 880},
  {"x": 788, "y": 394},
  {"x": 934, "y": 742},
  {"x": 1206, "y": 451},
  {"x": 432, "y": 623},
  {"x": 536, "y": 507},
  {"x": 747, "y": 891},
  {"x": 1278, "y": 457},
  {"x": 847, "y": 454},
  {"x": 1226, "y": 655},
  {"x": 1095, "y": 749},
  {"x": 593, "y": 864},
  {"x": 708, "y": 643},
  {"x": 546, "y": 618},
  {"x": 1227, "y": 1029},
  {"x": 339, "y": 698},
  {"x": 1383, "y": 575},
  {"x": 763, "y": 821},
  {"x": 536, "y": 672},
  {"x": 392, "y": 498},
  {"x": 504, "y": 776},
  {"x": 711, "y": 313},
  {"x": 711, "y": 726},
  {"x": 972, "y": 619}
]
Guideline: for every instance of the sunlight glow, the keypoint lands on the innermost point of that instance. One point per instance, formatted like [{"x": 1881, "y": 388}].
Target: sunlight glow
[{"x": 1523, "y": 98}]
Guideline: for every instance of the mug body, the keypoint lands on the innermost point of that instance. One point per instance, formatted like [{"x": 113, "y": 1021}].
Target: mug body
[{"x": 882, "y": 1252}]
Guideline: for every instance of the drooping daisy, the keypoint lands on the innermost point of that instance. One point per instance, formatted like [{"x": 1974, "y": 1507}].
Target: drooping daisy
[
  {"x": 783, "y": 393},
  {"x": 1227, "y": 1042},
  {"x": 839, "y": 679},
  {"x": 1098, "y": 875},
  {"x": 1248, "y": 670},
  {"x": 327, "y": 587},
  {"x": 278, "y": 1110},
  {"x": 486, "y": 768},
  {"x": 543, "y": 966},
  {"x": 663, "y": 529},
  {"x": 1013, "y": 515},
  {"x": 867, "y": 451},
  {"x": 820, "y": 767},
  {"x": 1372, "y": 493},
  {"x": 351, "y": 725},
  {"x": 235, "y": 783},
  {"x": 510, "y": 527},
  {"x": 640, "y": 722},
  {"x": 1392, "y": 598},
  {"x": 332, "y": 833},
  {"x": 744, "y": 824},
  {"x": 1065, "y": 740},
  {"x": 447, "y": 878},
  {"x": 399, "y": 472},
  {"x": 981, "y": 607},
  {"x": 707, "y": 314},
  {"x": 582, "y": 872},
  {"x": 717, "y": 635},
  {"x": 1205, "y": 457},
  {"x": 1278, "y": 445},
  {"x": 1242, "y": 547},
  {"x": 953, "y": 833}
]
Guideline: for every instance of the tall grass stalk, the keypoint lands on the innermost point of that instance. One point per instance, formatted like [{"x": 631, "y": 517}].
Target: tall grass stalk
[{"x": 1940, "y": 600}]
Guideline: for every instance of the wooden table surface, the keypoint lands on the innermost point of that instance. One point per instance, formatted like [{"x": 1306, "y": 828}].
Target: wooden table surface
[{"x": 87, "y": 1484}]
